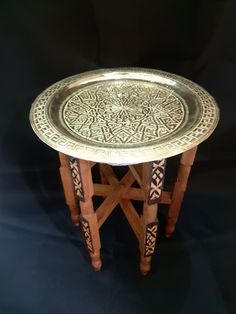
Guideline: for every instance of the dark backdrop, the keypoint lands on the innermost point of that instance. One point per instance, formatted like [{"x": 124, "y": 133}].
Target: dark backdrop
[{"x": 43, "y": 264}]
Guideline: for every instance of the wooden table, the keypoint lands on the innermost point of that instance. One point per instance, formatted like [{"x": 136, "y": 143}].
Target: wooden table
[{"x": 126, "y": 116}]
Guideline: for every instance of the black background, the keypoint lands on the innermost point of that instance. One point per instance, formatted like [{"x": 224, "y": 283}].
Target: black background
[{"x": 43, "y": 264}]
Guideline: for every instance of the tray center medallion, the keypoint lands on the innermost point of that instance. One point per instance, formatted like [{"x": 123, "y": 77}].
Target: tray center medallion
[{"x": 125, "y": 112}]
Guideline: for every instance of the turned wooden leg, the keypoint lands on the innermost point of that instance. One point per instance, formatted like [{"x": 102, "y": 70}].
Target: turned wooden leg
[
  {"x": 69, "y": 178},
  {"x": 152, "y": 182},
  {"x": 88, "y": 217},
  {"x": 186, "y": 162}
]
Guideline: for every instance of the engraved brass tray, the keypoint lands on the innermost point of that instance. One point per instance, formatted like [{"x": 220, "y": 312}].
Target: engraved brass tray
[{"x": 124, "y": 115}]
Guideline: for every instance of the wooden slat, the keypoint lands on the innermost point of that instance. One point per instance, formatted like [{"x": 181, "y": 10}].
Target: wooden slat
[
  {"x": 131, "y": 193},
  {"x": 105, "y": 209},
  {"x": 136, "y": 175},
  {"x": 109, "y": 174},
  {"x": 127, "y": 207},
  {"x": 139, "y": 169},
  {"x": 132, "y": 216},
  {"x": 107, "y": 206}
]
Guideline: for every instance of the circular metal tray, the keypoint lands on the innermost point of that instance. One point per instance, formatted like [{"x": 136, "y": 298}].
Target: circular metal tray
[{"x": 124, "y": 115}]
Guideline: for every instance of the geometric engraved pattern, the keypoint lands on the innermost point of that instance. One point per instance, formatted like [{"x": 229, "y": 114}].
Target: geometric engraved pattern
[
  {"x": 123, "y": 112},
  {"x": 48, "y": 133},
  {"x": 157, "y": 180},
  {"x": 76, "y": 177},
  {"x": 151, "y": 235},
  {"x": 87, "y": 234}
]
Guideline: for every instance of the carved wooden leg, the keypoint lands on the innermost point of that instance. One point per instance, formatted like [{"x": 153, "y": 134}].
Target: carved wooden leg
[
  {"x": 186, "y": 161},
  {"x": 69, "y": 188},
  {"x": 89, "y": 221},
  {"x": 152, "y": 182}
]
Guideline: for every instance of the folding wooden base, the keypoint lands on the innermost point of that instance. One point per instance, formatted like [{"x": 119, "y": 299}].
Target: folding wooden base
[{"x": 79, "y": 189}]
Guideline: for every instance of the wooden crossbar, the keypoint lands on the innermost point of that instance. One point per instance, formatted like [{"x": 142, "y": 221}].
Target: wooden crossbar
[
  {"x": 126, "y": 205},
  {"x": 135, "y": 194},
  {"x": 136, "y": 174},
  {"x": 106, "y": 208}
]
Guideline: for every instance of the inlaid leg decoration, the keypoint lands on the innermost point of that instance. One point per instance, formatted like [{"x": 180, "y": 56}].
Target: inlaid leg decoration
[
  {"x": 155, "y": 184},
  {"x": 76, "y": 176},
  {"x": 153, "y": 179},
  {"x": 151, "y": 236},
  {"x": 88, "y": 217},
  {"x": 186, "y": 161},
  {"x": 87, "y": 234},
  {"x": 68, "y": 182}
]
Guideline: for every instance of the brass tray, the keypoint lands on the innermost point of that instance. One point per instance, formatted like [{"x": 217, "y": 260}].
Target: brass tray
[{"x": 124, "y": 115}]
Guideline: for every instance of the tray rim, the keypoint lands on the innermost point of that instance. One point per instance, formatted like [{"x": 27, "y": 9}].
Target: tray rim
[{"x": 47, "y": 133}]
